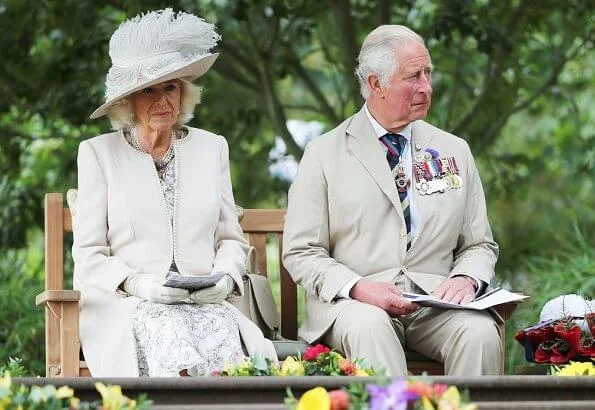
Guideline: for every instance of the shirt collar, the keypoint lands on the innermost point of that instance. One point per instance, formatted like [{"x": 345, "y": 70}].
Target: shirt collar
[{"x": 380, "y": 131}]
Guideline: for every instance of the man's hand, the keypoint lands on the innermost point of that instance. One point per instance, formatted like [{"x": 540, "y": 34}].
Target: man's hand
[
  {"x": 458, "y": 289},
  {"x": 384, "y": 295}
]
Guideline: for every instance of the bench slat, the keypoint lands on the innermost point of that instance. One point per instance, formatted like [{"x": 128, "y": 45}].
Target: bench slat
[
  {"x": 289, "y": 302},
  {"x": 259, "y": 241},
  {"x": 263, "y": 220}
]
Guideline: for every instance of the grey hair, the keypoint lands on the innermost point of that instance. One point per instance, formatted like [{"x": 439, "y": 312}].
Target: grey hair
[
  {"x": 377, "y": 55},
  {"x": 121, "y": 114}
]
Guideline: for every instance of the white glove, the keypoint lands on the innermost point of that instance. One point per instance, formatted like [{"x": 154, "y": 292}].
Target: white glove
[
  {"x": 214, "y": 294},
  {"x": 147, "y": 287}
]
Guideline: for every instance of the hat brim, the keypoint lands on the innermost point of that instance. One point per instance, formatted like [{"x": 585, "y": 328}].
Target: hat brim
[{"x": 189, "y": 72}]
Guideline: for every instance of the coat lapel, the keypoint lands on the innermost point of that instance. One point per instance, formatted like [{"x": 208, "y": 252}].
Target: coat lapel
[
  {"x": 422, "y": 139},
  {"x": 367, "y": 151}
]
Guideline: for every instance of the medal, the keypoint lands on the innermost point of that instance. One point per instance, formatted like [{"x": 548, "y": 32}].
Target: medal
[
  {"x": 400, "y": 177},
  {"x": 433, "y": 173}
]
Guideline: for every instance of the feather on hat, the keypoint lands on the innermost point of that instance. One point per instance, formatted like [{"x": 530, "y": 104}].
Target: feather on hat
[{"x": 155, "y": 47}]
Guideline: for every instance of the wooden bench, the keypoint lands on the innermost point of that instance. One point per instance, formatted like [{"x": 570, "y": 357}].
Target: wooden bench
[{"x": 63, "y": 354}]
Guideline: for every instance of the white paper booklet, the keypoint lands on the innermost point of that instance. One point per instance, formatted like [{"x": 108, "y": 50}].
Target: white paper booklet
[{"x": 494, "y": 297}]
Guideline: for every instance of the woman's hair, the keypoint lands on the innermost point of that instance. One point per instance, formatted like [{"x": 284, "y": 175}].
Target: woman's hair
[
  {"x": 121, "y": 114},
  {"x": 377, "y": 55}
]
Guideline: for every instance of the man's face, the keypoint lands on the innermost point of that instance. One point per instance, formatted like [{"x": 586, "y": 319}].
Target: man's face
[{"x": 408, "y": 94}]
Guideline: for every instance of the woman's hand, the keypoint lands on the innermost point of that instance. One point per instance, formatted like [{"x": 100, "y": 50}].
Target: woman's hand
[
  {"x": 214, "y": 294},
  {"x": 146, "y": 287}
]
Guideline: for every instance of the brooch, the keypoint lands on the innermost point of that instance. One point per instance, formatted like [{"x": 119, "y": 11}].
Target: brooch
[{"x": 435, "y": 174}]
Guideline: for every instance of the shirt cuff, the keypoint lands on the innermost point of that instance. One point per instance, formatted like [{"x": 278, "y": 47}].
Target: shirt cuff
[
  {"x": 481, "y": 285},
  {"x": 344, "y": 292}
]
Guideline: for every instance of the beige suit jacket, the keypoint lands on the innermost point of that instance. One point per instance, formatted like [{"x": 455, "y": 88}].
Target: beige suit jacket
[
  {"x": 121, "y": 224},
  {"x": 344, "y": 220}
]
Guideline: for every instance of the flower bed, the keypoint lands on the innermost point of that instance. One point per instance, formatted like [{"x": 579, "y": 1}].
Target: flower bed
[
  {"x": 20, "y": 397},
  {"x": 398, "y": 395},
  {"x": 318, "y": 360}
]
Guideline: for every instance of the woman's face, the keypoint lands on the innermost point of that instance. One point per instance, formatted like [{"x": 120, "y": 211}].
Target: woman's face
[{"x": 156, "y": 108}]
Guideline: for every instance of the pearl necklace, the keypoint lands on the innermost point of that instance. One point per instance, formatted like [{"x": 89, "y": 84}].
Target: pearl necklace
[{"x": 169, "y": 154}]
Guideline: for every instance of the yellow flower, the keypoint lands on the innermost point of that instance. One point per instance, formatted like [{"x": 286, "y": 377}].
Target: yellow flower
[
  {"x": 64, "y": 392},
  {"x": 74, "y": 403},
  {"x": 244, "y": 367},
  {"x": 275, "y": 369},
  {"x": 292, "y": 367},
  {"x": 451, "y": 400},
  {"x": 427, "y": 403},
  {"x": 361, "y": 372},
  {"x": 576, "y": 369},
  {"x": 5, "y": 380},
  {"x": 315, "y": 399},
  {"x": 112, "y": 397}
]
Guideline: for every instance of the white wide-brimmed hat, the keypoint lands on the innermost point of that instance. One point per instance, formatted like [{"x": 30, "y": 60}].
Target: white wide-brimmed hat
[{"x": 156, "y": 47}]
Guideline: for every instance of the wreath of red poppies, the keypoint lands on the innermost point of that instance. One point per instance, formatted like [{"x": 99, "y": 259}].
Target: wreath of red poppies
[{"x": 558, "y": 341}]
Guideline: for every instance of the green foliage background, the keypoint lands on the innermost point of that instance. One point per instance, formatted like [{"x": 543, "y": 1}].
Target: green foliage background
[{"x": 513, "y": 77}]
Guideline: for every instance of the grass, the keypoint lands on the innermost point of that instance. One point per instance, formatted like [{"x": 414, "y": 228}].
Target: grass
[{"x": 273, "y": 270}]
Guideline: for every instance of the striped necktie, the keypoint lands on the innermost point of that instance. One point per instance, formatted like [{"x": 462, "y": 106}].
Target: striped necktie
[{"x": 395, "y": 144}]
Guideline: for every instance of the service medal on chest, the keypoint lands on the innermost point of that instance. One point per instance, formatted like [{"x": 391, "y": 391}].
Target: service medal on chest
[{"x": 435, "y": 174}]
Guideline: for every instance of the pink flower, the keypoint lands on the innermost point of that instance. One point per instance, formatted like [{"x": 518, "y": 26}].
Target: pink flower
[
  {"x": 347, "y": 367},
  {"x": 339, "y": 400},
  {"x": 313, "y": 352},
  {"x": 439, "y": 389},
  {"x": 421, "y": 389}
]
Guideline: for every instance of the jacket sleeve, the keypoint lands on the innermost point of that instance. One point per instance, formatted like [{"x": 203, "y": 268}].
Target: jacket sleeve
[
  {"x": 230, "y": 244},
  {"x": 306, "y": 236},
  {"x": 94, "y": 264},
  {"x": 476, "y": 252}
]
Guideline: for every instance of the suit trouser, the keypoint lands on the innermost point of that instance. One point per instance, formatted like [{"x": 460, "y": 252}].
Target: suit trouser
[{"x": 467, "y": 342}]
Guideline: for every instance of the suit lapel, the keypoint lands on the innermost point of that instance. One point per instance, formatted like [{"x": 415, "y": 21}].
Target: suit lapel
[
  {"x": 367, "y": 151},
  {"x": 422, "y": 139}
]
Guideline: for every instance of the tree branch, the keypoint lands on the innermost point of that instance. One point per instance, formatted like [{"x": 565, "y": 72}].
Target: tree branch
[
  {"x": 347, "y": 44},
  {"x": 552, "y": 79},
  {"x": 277, "y": 114},
  {"x": 494, "y": 68},
  {"x": 311, "y": 85},
  {"x": 384, "y": 11},
  {"x": 229, "y": 71},
  {"x": 243, "y": 60},
  {"x": 304, "y": 107}
]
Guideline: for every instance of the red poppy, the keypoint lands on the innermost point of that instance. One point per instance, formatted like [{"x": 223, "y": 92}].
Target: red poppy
[
  {"x": 313, "y": 352},
  {"x": 537, "y": 336}
]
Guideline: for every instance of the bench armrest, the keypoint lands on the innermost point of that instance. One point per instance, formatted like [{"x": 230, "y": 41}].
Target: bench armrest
[
  {"x": 57, "y": 296},
  {"x": 506, "y": 309}
]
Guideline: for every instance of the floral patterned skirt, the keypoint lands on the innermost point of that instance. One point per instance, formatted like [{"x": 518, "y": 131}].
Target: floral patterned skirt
[{"x": 171, "y": 338}]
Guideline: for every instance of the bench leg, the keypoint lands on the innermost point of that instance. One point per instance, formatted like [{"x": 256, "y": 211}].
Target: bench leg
[{"x": 69, "y": 334}]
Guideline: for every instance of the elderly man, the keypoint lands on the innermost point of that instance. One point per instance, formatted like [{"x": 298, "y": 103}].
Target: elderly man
[{"x": 386, "y": 203}]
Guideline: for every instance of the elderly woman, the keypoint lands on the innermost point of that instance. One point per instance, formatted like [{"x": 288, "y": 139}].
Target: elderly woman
[{"x": 155, "y": 197}]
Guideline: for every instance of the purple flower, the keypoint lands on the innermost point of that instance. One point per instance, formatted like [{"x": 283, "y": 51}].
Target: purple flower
[
  {"x": 391, "y": 397},
  {"x": 433, "y": 152}
]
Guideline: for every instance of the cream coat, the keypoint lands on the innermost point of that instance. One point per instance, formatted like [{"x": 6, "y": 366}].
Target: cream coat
[
  {"x": 344, "y": 220},
  {"x": 121, "y": 224}
]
